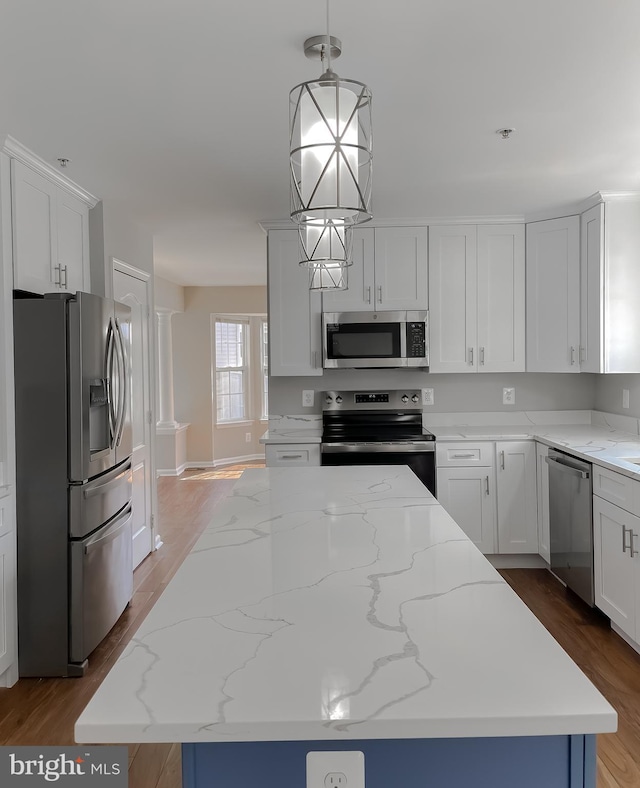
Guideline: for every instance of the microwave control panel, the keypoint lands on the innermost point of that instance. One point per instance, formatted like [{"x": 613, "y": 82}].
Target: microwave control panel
[{"x": 416, "y": 340}]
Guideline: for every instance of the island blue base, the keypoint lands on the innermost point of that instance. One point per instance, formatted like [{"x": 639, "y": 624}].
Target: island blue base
[{"x": 510, "y": 762}]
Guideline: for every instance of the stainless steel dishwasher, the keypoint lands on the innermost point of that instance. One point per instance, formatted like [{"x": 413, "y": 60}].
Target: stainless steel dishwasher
[{"x": 571, "y": 522}]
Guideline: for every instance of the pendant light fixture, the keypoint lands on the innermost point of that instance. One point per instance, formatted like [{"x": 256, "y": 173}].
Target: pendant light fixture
[{"x": 331, "y": 164}]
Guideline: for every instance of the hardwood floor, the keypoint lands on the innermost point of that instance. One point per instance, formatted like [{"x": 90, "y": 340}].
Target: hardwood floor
[{"x": 43, "y": 711}]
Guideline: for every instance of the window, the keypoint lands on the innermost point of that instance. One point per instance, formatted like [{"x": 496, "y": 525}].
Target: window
[
  {"x": 231, "y": 370},
  {"x": 264, "y": 345}
]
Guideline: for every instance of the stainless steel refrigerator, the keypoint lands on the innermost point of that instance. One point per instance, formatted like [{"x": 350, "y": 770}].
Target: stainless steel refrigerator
[{"x": 74, "y": 477}]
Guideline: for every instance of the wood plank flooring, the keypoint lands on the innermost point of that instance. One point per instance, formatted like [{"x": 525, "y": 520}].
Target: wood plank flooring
[{"x": 43, "y": 711}]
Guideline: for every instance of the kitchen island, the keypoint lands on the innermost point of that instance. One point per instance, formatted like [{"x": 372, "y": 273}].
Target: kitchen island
[{"x": 343, "y": 609}]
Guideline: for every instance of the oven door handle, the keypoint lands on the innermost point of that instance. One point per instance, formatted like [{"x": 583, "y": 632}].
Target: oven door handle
[{"x": 424, "y": 447}]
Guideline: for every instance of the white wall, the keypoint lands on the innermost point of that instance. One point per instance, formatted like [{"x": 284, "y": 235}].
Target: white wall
[
  {"x": 472, "y": 392},
  {"x": 192, "y": 372},
  {"x": 169, "y": 295}
]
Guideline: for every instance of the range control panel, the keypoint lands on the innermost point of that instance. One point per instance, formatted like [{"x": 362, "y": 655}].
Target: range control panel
[{"x": 408, "y": 399}]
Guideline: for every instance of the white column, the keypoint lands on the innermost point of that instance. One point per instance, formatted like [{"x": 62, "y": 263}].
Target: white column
[{"x": 165, "y": 370}]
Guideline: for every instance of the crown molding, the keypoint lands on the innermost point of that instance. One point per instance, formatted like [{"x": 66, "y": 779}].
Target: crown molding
[
  {"x": 18, "y": 151},
  {"x": 287, "y": 224},
  {"x": 574, "y": 209}
]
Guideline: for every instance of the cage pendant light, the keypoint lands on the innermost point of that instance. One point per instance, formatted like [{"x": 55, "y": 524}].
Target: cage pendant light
[
  {"x": 328, "y": 276},
  {"x": 330, "y": 149},
  {"x": 327, "y": 242}
]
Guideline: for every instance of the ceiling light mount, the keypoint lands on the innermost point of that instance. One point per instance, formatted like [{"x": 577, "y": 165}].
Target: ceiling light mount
[
  {"x": 505, "y": 133},
  {"x": 315, "y": 48},
  {"x": 63, "y": 162}
]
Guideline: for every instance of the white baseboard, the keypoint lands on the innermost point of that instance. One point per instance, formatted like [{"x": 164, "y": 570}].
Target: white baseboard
[
  {"x": 172, "y": 471},
  {"x": 517, "y": 561},
  {"x": 194, "y": 464}
]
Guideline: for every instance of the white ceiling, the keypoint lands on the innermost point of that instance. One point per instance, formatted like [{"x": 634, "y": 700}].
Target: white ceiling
[{"x": 180, "y": 108}]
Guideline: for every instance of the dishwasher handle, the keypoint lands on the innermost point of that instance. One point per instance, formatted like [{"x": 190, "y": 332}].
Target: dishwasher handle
[{"x": 560, "y": 466}]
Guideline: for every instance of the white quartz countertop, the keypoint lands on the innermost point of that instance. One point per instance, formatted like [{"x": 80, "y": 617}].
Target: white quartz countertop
[
  {"x": 338, "y": 603},
  {"x": 283, "y": 436},
  {"x": 610, "y": 448}
]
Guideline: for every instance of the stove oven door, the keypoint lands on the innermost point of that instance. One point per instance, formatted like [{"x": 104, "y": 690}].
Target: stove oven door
[{"x": 420, "y": 458}]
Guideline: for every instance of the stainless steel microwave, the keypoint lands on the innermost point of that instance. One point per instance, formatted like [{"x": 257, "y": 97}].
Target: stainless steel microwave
[{"x": 375, "y": 339}]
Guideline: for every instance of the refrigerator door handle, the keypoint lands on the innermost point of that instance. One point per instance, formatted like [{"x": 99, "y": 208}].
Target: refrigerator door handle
[
  {"x": 101, "y": 489},
  {"x": 122, "y": 387},
  {"x": 111, "y": 534},
  {"x": 110, "y": 373}
]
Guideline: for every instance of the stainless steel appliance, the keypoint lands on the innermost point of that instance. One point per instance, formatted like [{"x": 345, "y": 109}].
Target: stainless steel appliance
[
  {"x": 377, "y": 428},
  {"x": 571, "y": 522},
  {"x": 375, "y": 339},
  {"x": 74, "y": 478}
]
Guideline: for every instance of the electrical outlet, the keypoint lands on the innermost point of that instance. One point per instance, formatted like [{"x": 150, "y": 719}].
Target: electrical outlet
[
  {"x": 625, "y": 398},
  {"x": 307, "y": 398},
  {"x": 335, "y": 769},
  {"x": 509, "y": 396},
  {"x": 247, "y": 437},
  {"x": 427, "y": 397}
]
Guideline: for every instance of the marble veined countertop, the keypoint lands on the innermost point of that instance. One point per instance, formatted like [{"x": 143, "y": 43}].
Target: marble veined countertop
[
  {"x": 293, "y": 429},
  {"x": 338, "y": 603}
]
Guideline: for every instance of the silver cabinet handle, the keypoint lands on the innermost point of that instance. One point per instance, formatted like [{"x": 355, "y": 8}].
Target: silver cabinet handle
[
  {"x": 462, "y": 456},
  {"x": 582, "y": 355},
  {"x": 486, "y": 481},
  {"x": 482, "y": 355},
  {"x": 624, "y": 539},
  {"x": 471, "y": 356},
  {"x": 368, "y": 294},
  {"x": 380, "y": 294},
  {"x": 57, "y": 281},
  {"x": 291, "y": 457},
  {"x": 502, "y": 460},
  {"x": 573, "y": 356},
  {"x": 314, "y": 359},
  {"x": 63, "y": 268},
  {"x": 631, "y": 548}
]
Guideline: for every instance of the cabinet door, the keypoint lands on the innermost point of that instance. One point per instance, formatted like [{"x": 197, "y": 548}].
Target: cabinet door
[
  {"x": 542, "y": 481},
  {"x": 517, "y": 500},
  {"x": 401, "y": 268},
  {"x": 73, "y": 243},
  {"x": 501, "y": 325},
  {"x": 468, "y": 495},
  {"x": 553, "y": 295},
  {"x": 294, "y": 312},
  {"x": 34, "y": 230},
  {"x": 360, "y": 293},
  {"x": 591, "y": 282},
  {"x": 614, "y": 569},
  {"x": 452, "y": 299}
]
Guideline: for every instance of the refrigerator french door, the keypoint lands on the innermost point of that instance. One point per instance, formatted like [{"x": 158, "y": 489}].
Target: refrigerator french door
[{"x": 74, "y": 477}]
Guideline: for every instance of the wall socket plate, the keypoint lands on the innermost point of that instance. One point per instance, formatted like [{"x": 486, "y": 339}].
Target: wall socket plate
[
  {"x": 307, "y": 398},
  {"x": 335, "y": 769},
  {"x": 428, "y": 397},
  {"x": 509, "y": 396}
]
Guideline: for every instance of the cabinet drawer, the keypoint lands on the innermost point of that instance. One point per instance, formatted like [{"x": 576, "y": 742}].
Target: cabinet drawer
[
  {"x": 462, "y": 454},
  {"x": 282, "y": 454},
  {"x": 617, "y": 488}
]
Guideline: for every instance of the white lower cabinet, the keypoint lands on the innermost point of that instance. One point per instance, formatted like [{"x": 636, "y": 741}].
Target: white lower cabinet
[
  {"x": 542, "y": 482},
  {"x": 517, "y": 504},
  {"x": 468, "y": 495},
  {"x": 279, "y": 455},
  {"x": 490, "y": 491},
  {"x": 616, "y": 542}
]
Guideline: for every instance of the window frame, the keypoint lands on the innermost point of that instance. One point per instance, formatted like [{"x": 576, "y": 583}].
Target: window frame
[{"x": 245, "y": 369}]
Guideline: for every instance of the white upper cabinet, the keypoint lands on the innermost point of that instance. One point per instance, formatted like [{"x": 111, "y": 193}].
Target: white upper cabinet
[
  {"x": 50, "y": 234},
  {"x": 389, "y": 271},
  {"x": 295, "y": 346},
  {"x": 553, "y": 295},
  {"x": 610, "y": 282},
  {"x": 476, "y": 298}
]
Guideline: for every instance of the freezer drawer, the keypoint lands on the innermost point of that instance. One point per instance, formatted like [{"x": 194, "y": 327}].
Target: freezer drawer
[
  {"x": 98, "y": 501},
  {"x": 101, "y": 584}
]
